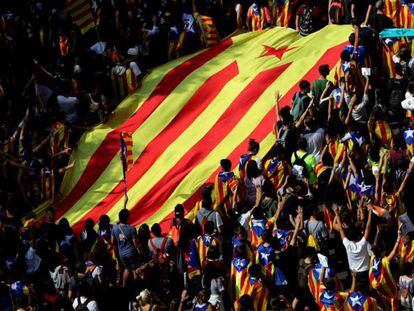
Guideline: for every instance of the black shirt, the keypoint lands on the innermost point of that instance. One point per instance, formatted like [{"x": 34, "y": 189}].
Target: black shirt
[{"x": 380, "y": 22}]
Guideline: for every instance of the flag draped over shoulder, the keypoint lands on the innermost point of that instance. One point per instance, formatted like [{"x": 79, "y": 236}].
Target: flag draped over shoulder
[
  {"x": 188, "y": 115},
  {"x": 81, "y": 14}
]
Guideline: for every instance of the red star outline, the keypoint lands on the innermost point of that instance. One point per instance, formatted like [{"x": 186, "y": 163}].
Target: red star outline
[{"x": 270, "y": 51}]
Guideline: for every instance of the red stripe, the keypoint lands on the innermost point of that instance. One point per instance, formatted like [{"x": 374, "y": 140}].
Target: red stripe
[
  {"x": 231, "y": 117},
  {"x": 75, "y": 8},
  {"x": 193, "y": 108},
  {"x": 109, "y": 147},
  {"x": 330, "y": 57}
]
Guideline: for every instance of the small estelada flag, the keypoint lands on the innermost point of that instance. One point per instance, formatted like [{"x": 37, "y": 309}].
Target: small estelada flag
[{"x": 126, "y": 151}]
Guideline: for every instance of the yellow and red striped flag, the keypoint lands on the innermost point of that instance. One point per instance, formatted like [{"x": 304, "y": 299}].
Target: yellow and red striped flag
[
  {"x": 126, "y": 151},
  {"x": 188, "y": 114},
  {"x": 209, "y": 33},
  {"x": 81, "y": 14},
  {"x": 383, "y": 133}
]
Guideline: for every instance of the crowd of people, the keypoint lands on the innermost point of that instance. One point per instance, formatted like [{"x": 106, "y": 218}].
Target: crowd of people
[{"x": 323, "y": 221}]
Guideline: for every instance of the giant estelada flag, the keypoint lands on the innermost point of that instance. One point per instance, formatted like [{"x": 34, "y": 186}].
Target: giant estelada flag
[{"x": 188, "y": 115}]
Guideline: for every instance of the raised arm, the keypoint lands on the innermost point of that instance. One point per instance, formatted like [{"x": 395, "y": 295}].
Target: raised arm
[
  {"x": 297, "y": 227},
  {"x": 369, "y": 221},
  {"x": 406, "y": 178},
  {"x": 304, "y": 114},
  {"x": 392, "y": 254},
  {"x": 338, "y": 221}
]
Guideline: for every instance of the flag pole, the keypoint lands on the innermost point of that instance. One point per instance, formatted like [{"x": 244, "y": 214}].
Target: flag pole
[{"x": 125, "y": 192}]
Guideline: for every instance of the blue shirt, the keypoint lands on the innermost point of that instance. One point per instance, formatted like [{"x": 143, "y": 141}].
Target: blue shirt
[{"x": 124, "y": 236}]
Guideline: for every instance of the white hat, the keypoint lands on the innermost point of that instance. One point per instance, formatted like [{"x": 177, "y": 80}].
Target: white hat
[{"x": 132, "y": 51}]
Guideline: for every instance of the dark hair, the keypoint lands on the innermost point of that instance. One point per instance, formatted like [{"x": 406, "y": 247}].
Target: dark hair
[
  {"x": 324, "y": 70},
  {"x": 302, "y": 143},
  {"x": 226, "y": 165},
  {"x": 179, "y": 210},
  {"x": 284, "y": 112},
  {"x": 245, "y": 303},
  {"x": 351, "y": 38},
  {"x": 209, "y": 227},
  {"x": 104, "y": 220},
  {"x": 398, "y": 69},
  {"x": 353, "y": 234},
  {"x": 304, "y": 85},
  {"x": 327, "y": 159},
  {"x": 156, "y": 229},
  {"x": 207, "y": 203},
  {"x": 255, "y": 271},
  {"x": 206, "y": 192},
  {"x": 345, "y": 56},
  {"x": 252, "y": 170},
  {"x": 258, "y": 213},
  {"x": 254, "y": 146},
  {"x": 123, "y": 216},
  {"x": 213, "y": 252},
  {"x": 89, "y": 223}
]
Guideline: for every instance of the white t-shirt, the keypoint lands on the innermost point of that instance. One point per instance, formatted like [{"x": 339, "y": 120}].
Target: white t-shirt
[
  {"x": 358, "y": 254},
  {"x": 359, "y": 113},
  {"x": 92, "y": 305},
  {"x": 315, "y": 142}
]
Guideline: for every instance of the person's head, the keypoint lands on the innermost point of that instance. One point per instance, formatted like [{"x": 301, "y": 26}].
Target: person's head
[
  {"x": 123, "y": 216},
  {"x": 144, "y": 298},
  {"x": 50, "y": 215},
  {"x": 405, "y": 54},
  {"x": 302, "y": 144},
  {"x": 353, "y": 234},
  {"x": 324, "y": 70},
  {"x": 104, "y": 221},
  {"x": 207, "y": 204},
  {"x": 206, "y": 192},
  {"x": 351, "y": 39},
  {"x": 225, "y": 165},
  {"x": 156, "y": 230},
  {"x": 84, "y": 290},
  {"x": 245, "y": 303},
  {"x": 398, "y": 69},
  {"x": 64, "y": 226},
  {"x": 89, "y": 224},
  {"x": 252, "y": 171},
  {"x": 378, "y": 251},
  {"x": 209, "y": 227},
  {"x": 240, "y": 251},
  {"x": 254, "y": 146},
  {"x": 311, "y": 124},
  {"x": 407, "y": 269},
  {"x": 327, "y": 159},
  {"x": 255, "y": 271},
  {"x": 304, "y": 86},
  {"x": 179, "y": 211},
  {"x": 213, "y": 253},
  {"x": 284, "y": 112},
  {"x": 258, "y": 213},
  {"x": 143, "y": 233},
  {"x": 345, "y": 57},
  {"x": 202, "y": 297},
  {"x": 379, "y": 5},
  {"x": 268, "y": 188},
  {"x": 309, "y": 252},
  {"x": 266, "y": 237},
  {"x": 240, "y": 232}
]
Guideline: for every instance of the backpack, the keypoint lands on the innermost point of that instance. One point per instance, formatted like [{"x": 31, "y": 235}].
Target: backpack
[
  {"x": 337, "y": 12},
  {"x": 306, "y": 22},
  {"x": 82, "y": 306},
  {"x": 298, "y": 101},
  {"x": 303, "y": 273},
  {"x": 299, "y": 166},
  {"x": 160, "y": 255},
  {"x": 312, "y": 240}
]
